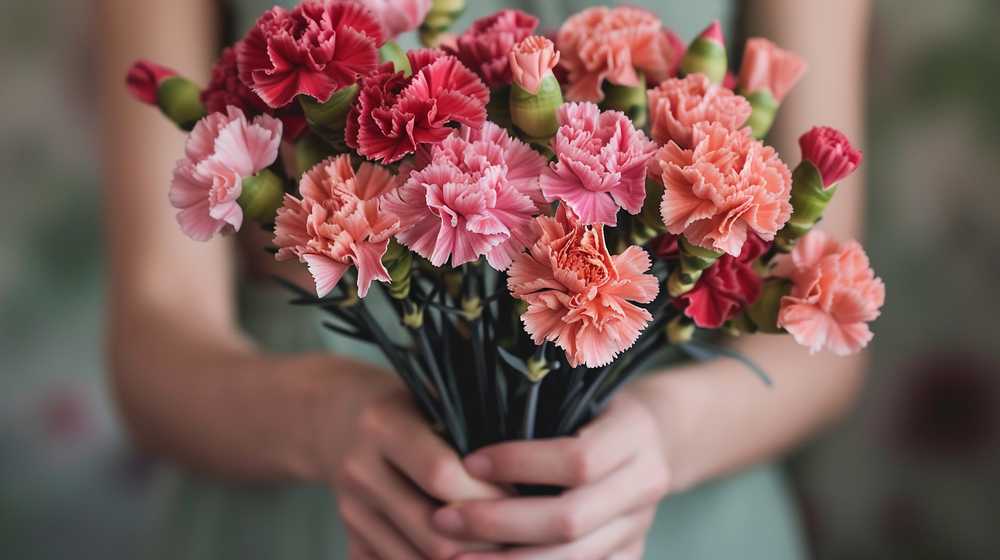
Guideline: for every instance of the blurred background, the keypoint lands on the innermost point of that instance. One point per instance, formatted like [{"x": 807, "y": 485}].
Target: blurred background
[{"x": 913, "y": 472}]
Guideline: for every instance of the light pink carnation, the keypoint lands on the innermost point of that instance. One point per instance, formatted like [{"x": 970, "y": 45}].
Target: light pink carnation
[
  {"x": 725, "y": 186},
  {"x": 221, "y": 151},
  {"x": 834, "y": 296},
  {"x": 339, "y": 221},
  {"x": 397, "y": 16},
  {"x": 579, "y": 296},
  {"x": 767, "y": 67},
  {"x": 601, "y": 163},
  {"x": 476, "y": 197},
  {"x": 614, "y": 44},
  {"x": 531, "y": 60},
  {"x": 677, "y": 104}
]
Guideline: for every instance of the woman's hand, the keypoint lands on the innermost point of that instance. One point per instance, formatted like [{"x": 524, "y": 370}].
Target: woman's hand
[
  {"x": 615, "y": 472},
  {"x": 392, "y": 477}
]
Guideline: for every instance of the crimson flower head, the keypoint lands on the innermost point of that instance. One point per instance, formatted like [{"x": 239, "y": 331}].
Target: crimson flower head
[
  {"x": 485, "y": 46},
  {"x": 831, "y": 152},
  {"x": 314, "y": 49},
  {"x": 395, "y": 114},
  {"x": 144, "y": 78},
  {"x": 726, "y": 287}
]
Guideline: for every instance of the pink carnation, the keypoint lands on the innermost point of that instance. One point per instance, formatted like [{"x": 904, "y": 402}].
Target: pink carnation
[
  {"x": 767, "y": 67},
  {"x": 473, "y": 199},
  {"x": 144, "y": 79},
  {"x": 221, "y": 151},
  {"x": 315, "y": 49},
  {"x": 394, "y": 115},
  {"x": 531, "y": 60},
  {"x": 678, "y": 103},
  {"x": 397, "y": 16},
  {"x": 726, "y": 185},
  {"x": 614, "y": 44},
  {"x": 484, "y": 47},
  {"x": 339, "y": 221},
  {"x": 831, "y": 152},
  {"x": 834, "y": 296},
  {"x": 601, "y": 163},
  {"x": 579, "y": 296}
]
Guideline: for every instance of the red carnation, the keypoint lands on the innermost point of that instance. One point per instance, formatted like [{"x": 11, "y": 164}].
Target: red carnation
[
  {"x": 726, "y": 287},
  {"x": 395, "y": 114},
  {"x": 831, "y": 152},
  {"x": 144, "y": 78},
  {"x": 484, "y": 47},
  {"x": 315, "y": 49}
]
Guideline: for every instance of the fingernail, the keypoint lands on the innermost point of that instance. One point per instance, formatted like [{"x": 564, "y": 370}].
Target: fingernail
[
  {"x": 479, "y": 466},
  {"x": 448, "y": 520}
]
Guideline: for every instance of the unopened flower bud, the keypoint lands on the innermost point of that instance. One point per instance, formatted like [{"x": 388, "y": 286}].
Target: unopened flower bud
[
  {"x": 398, "y": 260},
  {"x": 693, "y": 261},
  {"x": 535, "y": 94},
  {"x": 764, "y": 312},
  {"x": 680, "y": 330},
  {"x": 538, "y": 367},
  {"x": 472, "y": 308},
  {"x": 631, "y": 100},
  {"x": 261, "y": 196},
  {"x": 440, "y": 18},
  {"x": 413, "y": 315},
  {"x": 767, "y": 74},
  {"x": 390, "y": 51},
  {"x": 707, "y": 54},
  {"x": 831, "y": 152},
  {"x": 177, "y": 97}
]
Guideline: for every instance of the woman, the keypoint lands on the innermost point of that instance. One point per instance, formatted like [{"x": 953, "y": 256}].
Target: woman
[{"x": 235, "y": 386}]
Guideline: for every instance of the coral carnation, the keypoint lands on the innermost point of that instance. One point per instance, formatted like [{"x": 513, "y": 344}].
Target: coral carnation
[
  {"x": 601, "y": 163},
  {"x": 834, "y": 295},
  {"x": 315, "y": 49},
  {"x": 614, "y": 44},
  {"x": 677, "y": 104},
  {"x": 724, "y": 187},
  {"x": 339, "y": 221},
  {"x": 485, "y": 46},
  {"x": 473, "y": 199},
  {"x": 726, "y": 287},
  {"x": 767, "y": 67},
  {"x": 394, "y": 115},
  {"x": 397, "y": 16},
  {"x": 831, "y": 152},
  {"x": 531, "y": 60},
  {"x": 579, "y": 296},
  {"x": 222, "y": 150}
]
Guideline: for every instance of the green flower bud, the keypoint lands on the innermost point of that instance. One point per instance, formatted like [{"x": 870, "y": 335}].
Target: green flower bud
[
  {"x": 538, "y": 368},
  {"x": 390, "y": 51},
  {"x": 534, "y": 114},
  {"x": 693, "y": 261},
  {"x": 764, "y": 311},
  {"x": 180, "y": 100},
  {"x": 631, "y": 100},
  {"x": 680, "y": 330},
  {"x": 261, "y": 196},
  {"x": 707, "y": 55},
  {"x": 764, "y": 107},
  {"x": 472, "y": 308},
  {"x": 398, "y": 260},
  {"x": 440, "y": 18},
  {"x": 413, "y": 315},
  {"x": 809, "y": 200}
]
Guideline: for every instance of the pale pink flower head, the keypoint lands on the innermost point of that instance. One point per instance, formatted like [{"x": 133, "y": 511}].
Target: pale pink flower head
[
  {"x": 314, "y": 49},
  {"x": 485, "y": 46},
  {"x": 601, "y": 163},
  {"x": 834, "y": 295},
  {"x": 221, "y": 151},
  {"x": 580, "y": 296},
  {"x": 397, "y": 16},
  {"x": 144, "y": 79},
  {"x": 677, "y": 104},
  {"x": 470, "y": 200},
  {"x": 531, "y": 60},
  {"x": 767, "y": 67},
  {"x": 614, "y": 44},
  {"x": 339, "y": 221},
  {"x": 831, "y": 152},
  {"x": 726, "y": 185}
]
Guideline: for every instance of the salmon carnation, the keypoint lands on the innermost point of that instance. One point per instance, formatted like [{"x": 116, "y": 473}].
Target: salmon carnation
[
  {"x": 767, "y": 67},
  {"x": 614, "y": 44},
  {"x": 397, "y": 16},
  {"x": 314, "y": 49},
  {"x": 677, "y": 104},
  {"x": 531, "y": 60},
  {"x": 724, "y": 187},
  {"x": 395, "y": 114},
  {"x": 470, "y": 201},
  {"x": 222, "y": 150},
  {"x": 834, "y": 294},
  {"x": 601, "y": 163},
  {"x": 579, "y": 296},
  {"x": 339, "y": 221},
  {"x": 485, "y": 46}
]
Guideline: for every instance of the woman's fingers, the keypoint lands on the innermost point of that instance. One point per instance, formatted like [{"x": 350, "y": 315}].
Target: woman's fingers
[
  {"x": 616, "y": 540},
  {"x": 386, "y": 543},
  {"x": 356, "y": 547}
]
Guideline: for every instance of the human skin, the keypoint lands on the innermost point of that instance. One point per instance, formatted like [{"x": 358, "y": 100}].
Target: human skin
[{"x": 184, "y": 374}]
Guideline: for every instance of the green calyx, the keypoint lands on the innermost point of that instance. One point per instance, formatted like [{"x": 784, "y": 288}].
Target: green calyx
[
  {"x": 398, "y": 260},
  {"x": 328, "y": 119},
  {"x": 764, "y": 107},
  {"x": 764, "y": 312},
  {"x": 707, "y": 57},
  {"x": 390, "y": 51},
  {"x": 261, "y": 196},
  {"x": 534, "y": 114},
  {"x": 680, "y": 330},
  {"x": 809, "y": 200},
  {"x": 693, "y": 261},
  {"x": 630, "y": 100},
  {"x": 310, "y": 149},
  {"x": 180, "y": 100}
]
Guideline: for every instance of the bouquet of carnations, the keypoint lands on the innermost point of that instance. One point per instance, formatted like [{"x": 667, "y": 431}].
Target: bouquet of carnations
[{"x": 544, "y": 214}]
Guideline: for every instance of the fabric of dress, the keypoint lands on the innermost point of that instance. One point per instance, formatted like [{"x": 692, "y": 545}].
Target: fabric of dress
[{"x": 749, "y": 516}]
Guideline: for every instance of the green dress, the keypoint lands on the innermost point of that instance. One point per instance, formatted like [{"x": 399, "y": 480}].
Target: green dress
[{"x": 748, "y": 516}]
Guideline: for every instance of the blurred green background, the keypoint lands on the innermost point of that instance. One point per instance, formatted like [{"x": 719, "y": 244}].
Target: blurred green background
[{"x": 913, "y": 473}]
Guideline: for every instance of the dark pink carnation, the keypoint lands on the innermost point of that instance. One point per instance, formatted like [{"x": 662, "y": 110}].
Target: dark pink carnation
[
  {"x": 485, "y": 46},
  {"x": 831, "y": 152},
  {"x": 726, "y": 287},
  {"x": 394, "y": 114},
  {"x": 315, "y": 49},
  {"x": 144, "y": 78}
]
